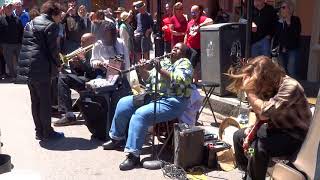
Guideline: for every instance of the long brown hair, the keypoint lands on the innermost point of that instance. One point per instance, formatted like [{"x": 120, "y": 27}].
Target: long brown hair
[{"x": 266, "y": 77}]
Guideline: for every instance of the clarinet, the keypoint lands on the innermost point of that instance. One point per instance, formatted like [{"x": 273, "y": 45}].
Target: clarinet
[{"x": 150, "y": 61}]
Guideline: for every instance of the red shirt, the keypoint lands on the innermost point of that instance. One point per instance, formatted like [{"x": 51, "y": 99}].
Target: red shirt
[
  {"x": 193, "y": 33},
  {"x": 167, "y": 32},
  {"x": 179, "y": 26}
]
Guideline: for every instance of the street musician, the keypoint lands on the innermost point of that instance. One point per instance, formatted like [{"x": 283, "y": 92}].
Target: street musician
[
  {"x": 280, "y": 101},
  {"x": 110, "y": 47},
  {"x": 175, "y": 82},
  {"x": 81, "y": 72}
]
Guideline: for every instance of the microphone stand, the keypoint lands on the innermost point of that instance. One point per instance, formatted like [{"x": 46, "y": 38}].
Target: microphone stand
[{"x": 154, "y": 162}]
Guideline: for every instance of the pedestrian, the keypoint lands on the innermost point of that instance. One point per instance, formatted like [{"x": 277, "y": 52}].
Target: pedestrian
[
  {"x": 192, "y": 38},
  {"x": 166, "y": 29},
  {"x": 74, "y": 27},
  {"x": 178, "y": 25},
  {"x": 40, "y": 57},
  {"x": 11, "y": 31},
  {"x": 287, "y": 36},
  {"x": 264, "y": 21},
  {"x": 142, "y": 35}
]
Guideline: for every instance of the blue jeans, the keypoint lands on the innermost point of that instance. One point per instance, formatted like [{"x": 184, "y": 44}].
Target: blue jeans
[
  {"x": 139, "y": 119},
  {"x": 289, "y": 61},
  {"x": 261, "y": 47}
]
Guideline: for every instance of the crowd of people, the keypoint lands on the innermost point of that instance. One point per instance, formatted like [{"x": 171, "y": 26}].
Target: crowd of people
[{"x": 34, "y": 39}]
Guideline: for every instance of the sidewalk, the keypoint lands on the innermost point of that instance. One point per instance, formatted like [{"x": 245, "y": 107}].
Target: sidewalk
[{"x": 75, "y": 157}]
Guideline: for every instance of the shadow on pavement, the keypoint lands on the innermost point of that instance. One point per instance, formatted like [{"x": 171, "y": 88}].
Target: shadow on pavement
[{"x": 70, "y": 144}]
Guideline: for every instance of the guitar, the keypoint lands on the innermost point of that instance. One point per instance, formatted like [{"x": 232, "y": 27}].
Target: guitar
[{"x": 252, "y": 134}]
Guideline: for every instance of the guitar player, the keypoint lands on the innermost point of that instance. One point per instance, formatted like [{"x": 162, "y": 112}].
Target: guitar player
[
  {"x": 192, "y": 37},
  {"x": 280, "y": 101}
]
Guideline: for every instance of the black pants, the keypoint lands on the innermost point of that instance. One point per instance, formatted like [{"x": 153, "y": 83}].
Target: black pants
[
  {"x": 66, "y": 82},
  {"x": 40, "y": 93},
  {"x": 276, "y": 144},
  {"x": 195, "y": 57},
  {"x": 167, "y": 46},
  {"x": 2, "y": 64}
]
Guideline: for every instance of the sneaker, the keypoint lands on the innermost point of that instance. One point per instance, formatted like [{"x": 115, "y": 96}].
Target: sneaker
[
  {"x": 65, "y": 121},
  {"x": 54, "y": 135}
]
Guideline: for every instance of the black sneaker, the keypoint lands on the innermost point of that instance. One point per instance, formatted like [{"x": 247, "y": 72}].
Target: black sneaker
[
  {"x": 54, "y": 135},
  {"x": 65, "y": 121}
]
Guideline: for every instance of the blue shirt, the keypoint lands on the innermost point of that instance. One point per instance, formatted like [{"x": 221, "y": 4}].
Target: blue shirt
[
  {"x": 24, "y": 17},
  {"x": 144, "y": 22}
]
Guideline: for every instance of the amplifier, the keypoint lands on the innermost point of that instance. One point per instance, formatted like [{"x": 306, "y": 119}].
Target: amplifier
[{"x": 188, "y": 145}]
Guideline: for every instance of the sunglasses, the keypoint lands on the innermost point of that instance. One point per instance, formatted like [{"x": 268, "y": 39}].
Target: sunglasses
[{"x": 193, "y": 13}]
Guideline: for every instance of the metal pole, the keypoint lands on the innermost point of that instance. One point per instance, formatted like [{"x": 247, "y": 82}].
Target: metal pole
[
  {"x": 158, "y": 39},
  {"x": 249, "y": 27},
  {"x": 148, "y": 6}
]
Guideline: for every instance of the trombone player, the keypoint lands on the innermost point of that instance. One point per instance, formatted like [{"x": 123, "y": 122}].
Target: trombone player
[{"x": 81, "y": 72}]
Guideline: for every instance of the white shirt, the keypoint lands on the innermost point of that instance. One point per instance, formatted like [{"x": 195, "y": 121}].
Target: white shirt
[{"x": 101, "y": 52}]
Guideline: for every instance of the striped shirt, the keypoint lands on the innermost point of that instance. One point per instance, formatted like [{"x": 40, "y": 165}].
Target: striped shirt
[{"x": 289, "y": 110}]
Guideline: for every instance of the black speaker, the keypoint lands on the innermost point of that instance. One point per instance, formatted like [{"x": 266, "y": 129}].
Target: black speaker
[
  {"x": 188, "y": 145},
  {"x": 221, "y": 46}
]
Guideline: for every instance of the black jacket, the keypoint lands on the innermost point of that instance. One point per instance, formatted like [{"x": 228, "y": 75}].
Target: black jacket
[
  {"x": 265, "y": 19},
  {"x": 11, "y": 30},
  {"x": 288, "y": 36},
  {"x": 39, "y": 56}
]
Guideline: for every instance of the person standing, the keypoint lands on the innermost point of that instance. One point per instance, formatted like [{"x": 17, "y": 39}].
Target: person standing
[
  {"x": 21, "y": 13},
  {"x": 11, "y": 30},
  {"x": 83, "y": 13},
  {"x": 142, "y": 35},
  {"x": 126, "y": 32},
  {"x": 40, "y": 57},
  {"x": 192, "y": 37},
  {"x": 178, "y": 25},
  {"x": 288, "y": 37},
  {"x": 166, "y": 29},
  {"x": 74, "y": 27},
  {"x": 264, "y": 21}
]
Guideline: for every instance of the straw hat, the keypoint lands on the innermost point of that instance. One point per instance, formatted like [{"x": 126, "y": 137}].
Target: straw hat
[
  {"x": 138, "y": 4},
  {"x": 124, "y": 16}
]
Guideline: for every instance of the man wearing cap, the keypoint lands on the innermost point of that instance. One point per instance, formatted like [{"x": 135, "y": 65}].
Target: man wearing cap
[
  {"x": 118, "y": 12},
  {"x": 143, "y": 31},
  {"x": 11, "y": 31}
]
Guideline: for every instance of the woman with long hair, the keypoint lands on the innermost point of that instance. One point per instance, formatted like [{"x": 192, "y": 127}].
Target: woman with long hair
[
  {"x": 280, "y": 101},
  {"x": 288, "y": 37},
  {"x": 178, "y": 24}
]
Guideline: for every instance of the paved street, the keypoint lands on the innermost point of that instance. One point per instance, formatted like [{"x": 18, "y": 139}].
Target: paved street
[{"x": 74, "y": 157}]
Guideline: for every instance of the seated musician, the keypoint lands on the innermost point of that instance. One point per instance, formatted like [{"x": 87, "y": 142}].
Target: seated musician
[
  {"x": 175, "y": 80},
  {"x": 81, "y": 72},
  {"x": 277, "y": 99},
  {"x": 110, "y": 47}
]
